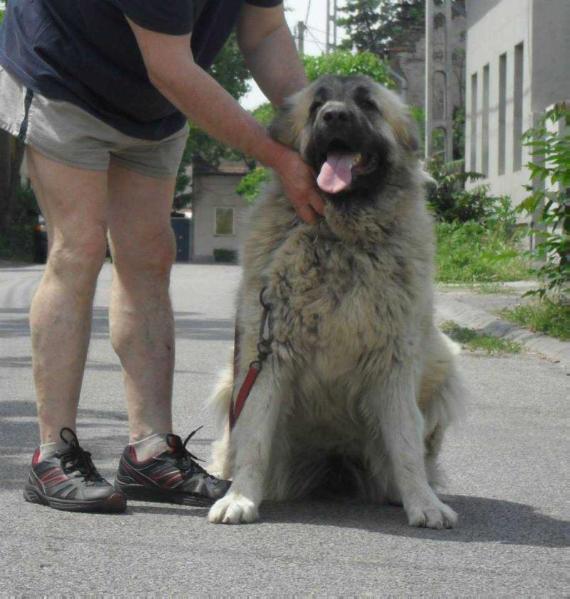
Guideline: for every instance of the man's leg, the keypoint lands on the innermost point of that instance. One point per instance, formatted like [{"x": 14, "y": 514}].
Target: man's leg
[
  {"x": 74, "y": 203},
  {"x": 158, "y": 467},
  {"x": 142, "y": 325}
]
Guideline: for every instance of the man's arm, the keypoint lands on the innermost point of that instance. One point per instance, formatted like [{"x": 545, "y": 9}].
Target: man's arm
[
  {"x": 172, "y": 70},
  {"x": 269, "y": 51}
]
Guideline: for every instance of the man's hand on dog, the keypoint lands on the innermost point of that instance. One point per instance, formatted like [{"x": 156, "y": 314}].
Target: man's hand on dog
[{"x": 299, "y": 185}]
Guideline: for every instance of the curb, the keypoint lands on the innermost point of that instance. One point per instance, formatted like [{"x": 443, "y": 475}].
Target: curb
[{"x": 475, "y": 318}]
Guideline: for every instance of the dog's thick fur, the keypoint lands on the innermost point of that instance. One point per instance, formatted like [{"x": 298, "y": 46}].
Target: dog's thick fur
[{"x": 361, "y": 385}]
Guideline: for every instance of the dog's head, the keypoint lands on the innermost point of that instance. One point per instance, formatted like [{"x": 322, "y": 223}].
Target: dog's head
[{"x": 353, "y": 132}]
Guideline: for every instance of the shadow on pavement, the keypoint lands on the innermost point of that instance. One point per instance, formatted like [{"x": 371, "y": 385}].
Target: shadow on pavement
[
  {"x": 217, "y": 329},
  {"x": 14, "y": 323},
  {"x": 481, "y": 520}
]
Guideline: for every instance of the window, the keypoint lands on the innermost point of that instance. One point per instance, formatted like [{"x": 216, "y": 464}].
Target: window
[
  {"x": 502, "y": 112},
  {"x": 485, "y": 123},
  {"x": 224, "y": 224},
  {"x": 474, "y": 109},
  {"x": 518, "y": 108}
]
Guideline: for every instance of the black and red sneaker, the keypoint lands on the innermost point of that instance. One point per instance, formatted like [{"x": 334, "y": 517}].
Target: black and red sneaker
[
  {"x": 69, "y": 481},
  {"x": 173, "y": 476}
]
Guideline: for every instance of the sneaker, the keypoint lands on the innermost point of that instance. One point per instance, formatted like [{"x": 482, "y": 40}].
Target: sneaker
[
  {"x": 69, "y": 481},
  {"x": 173, "y": 476}
]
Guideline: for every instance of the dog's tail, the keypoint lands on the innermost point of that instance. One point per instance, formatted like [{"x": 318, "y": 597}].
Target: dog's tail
[{"x": 220, "y": 404}]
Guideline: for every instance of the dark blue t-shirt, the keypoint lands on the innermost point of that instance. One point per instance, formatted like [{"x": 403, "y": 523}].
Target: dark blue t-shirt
[{"x": 84, "y": 52}]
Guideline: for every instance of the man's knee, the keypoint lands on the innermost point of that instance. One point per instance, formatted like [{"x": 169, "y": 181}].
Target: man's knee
[
  {"x": 78, "y": 256},
  {"x": 148, "y": 255}
]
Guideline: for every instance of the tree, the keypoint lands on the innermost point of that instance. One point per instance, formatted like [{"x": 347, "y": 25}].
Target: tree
[
  {"x": 346, "y": 63},
  {"x": 378, "y": 26}
]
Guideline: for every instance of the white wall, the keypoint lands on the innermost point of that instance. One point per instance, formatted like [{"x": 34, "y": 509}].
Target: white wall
[
  {"x": 490, "y": 34},
  {"x": 213, "y": 191}
]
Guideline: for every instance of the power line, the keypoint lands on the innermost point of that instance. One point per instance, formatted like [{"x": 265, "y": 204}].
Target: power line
[
  {"x": 308, "y": 12},
  {"x": 316, "y": 41}
]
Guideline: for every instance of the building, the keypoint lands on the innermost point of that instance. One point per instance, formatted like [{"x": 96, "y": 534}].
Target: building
[
  {"x": 516, "y": 67},
  {"x": 218, "y": 212}
]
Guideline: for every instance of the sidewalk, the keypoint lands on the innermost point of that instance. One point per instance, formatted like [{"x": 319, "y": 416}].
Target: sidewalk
[{"x": 474, "y": 309}]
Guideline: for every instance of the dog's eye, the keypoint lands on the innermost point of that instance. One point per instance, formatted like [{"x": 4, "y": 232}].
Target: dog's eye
[
  {"x": 367, "y": 104},
  {"x": 315, "y": 106}
]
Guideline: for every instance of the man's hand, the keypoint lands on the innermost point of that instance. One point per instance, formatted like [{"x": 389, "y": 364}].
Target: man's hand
[{"x": 298, "y": 182}]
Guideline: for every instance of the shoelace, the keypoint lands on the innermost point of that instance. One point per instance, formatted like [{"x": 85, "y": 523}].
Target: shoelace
[
  {"x": 76, "y": 458},
  {"x": 186, "y": 460}
]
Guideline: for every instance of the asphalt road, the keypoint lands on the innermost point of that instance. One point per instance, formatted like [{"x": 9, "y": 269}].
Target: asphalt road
[{"x": 508, "y": 468}]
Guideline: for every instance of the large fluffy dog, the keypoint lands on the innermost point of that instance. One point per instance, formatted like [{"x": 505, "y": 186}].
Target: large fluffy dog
[{"x": 360, "y": 385}]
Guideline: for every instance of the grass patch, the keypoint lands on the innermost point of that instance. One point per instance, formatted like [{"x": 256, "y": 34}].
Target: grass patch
[
  {"x": 542, "y": 317},
  {"x": 492, "y": 289},
  {"x": 479, "y": 288},
  {"x": 473, "y": 340},
  {"x": 471, "y": 253}
]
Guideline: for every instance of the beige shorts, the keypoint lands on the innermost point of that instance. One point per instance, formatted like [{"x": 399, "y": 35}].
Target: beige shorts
[{"x": 66, "y": 133}]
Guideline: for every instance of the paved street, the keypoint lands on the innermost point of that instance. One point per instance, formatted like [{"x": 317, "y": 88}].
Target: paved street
[{"x": 509, "y": 480}]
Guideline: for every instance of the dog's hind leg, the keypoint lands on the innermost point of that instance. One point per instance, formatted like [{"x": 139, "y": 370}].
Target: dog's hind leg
[
  {"x": 441, "y": 401},
  {"x": 251, "y": 442},
  {"x": 402, "y": 431}
]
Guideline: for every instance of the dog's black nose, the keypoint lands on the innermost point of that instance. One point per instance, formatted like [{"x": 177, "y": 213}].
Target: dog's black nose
[{"x": 335, "y": 115}]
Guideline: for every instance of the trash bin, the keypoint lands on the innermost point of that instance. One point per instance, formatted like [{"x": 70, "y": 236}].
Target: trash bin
[{"x": 182, "y": 228}]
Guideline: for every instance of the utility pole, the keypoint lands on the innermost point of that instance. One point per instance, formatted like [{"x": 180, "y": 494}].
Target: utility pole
[
  {"x": 428, "y": 79},
  {"x": 301, "y": 27},
  {"x": 331, "y": 24}
]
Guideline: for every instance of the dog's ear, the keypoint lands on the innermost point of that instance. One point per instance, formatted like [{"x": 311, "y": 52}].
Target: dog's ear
[
  {"x": 406, "y": 131},
  {"x": 287, "y": 124},
  {"x": 398, "y": 116}
]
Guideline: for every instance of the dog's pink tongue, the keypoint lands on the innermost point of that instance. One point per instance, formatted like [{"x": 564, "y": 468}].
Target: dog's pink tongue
[{"x": 336, "y": 172}]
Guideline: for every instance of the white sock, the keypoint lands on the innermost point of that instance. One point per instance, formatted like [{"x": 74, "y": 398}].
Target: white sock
[
  {"x": 151, "y": 446},
  {"x": 48, "y": 450}
]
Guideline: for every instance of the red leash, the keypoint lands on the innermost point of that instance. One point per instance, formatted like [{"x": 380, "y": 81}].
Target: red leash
[{"x": 263, "y": 351}]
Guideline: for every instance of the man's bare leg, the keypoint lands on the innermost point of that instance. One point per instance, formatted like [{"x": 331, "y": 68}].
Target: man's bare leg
[
  {"x": 142, "y": 324},
  {"x": 74, "y": 203}
]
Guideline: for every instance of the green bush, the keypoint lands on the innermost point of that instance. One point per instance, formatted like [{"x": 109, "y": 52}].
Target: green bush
[{"x": 451, "y": 202}]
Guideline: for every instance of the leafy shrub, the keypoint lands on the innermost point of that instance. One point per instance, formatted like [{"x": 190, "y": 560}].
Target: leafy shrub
[
  {"x": 550, "y": 204},
  {"x": 449, "y": 199}
]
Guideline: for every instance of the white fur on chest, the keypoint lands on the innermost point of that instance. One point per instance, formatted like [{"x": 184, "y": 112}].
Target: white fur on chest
[{"x": 335, "y": 306}]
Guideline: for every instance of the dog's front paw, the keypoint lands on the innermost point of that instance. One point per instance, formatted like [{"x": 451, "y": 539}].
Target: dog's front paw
[
  {"x": 431, "y": 513},
  {"x": 233, "y": 509}
]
